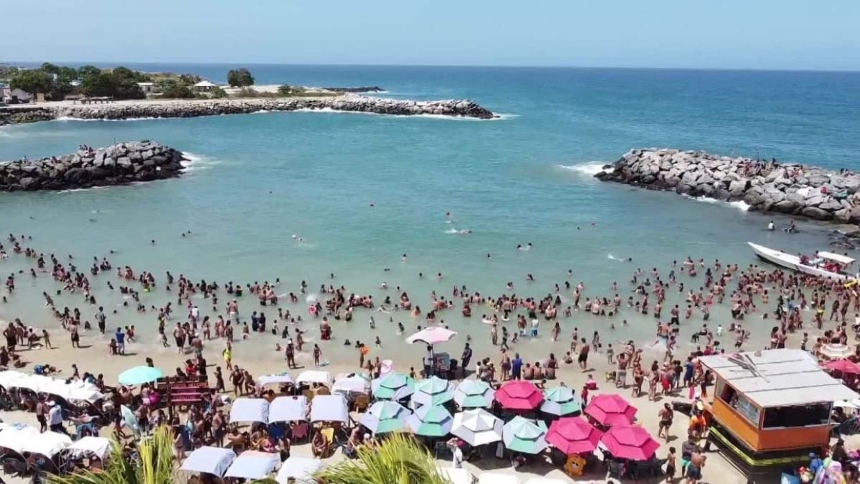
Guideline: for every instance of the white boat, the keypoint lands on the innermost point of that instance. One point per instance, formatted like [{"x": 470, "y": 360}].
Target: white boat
[{"x": 825, "y": 264}]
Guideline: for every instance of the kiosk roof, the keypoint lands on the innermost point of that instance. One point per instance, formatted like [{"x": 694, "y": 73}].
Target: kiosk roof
[{"x": 778, "y": 378}]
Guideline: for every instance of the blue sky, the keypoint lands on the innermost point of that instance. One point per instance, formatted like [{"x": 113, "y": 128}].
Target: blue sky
[{"x": 743, "y": 34}]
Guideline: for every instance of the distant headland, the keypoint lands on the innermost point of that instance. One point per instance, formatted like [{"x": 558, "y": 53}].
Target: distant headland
[
  {"x": 51, "y": 92},
  {"x": 764, "y": 185}
]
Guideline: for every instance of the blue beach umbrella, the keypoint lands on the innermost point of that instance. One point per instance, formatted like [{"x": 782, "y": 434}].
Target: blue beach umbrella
[
  {"x": 384, "y": 417},
  {"x": 474, "y": 394},
  {"x": 393, "y": 386},
  {"x": 431, "y": 421},
  {"x": 140, "y": 375},
  {"x": 560, "y": 401},
  {"x": 433, "y": 391}
]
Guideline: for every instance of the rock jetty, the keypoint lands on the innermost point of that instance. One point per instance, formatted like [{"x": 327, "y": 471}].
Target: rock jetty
[
  {"x": 213, "y": 107},
  {"x": 766, "y": 186},
  {"x": 113, "y": 165}
]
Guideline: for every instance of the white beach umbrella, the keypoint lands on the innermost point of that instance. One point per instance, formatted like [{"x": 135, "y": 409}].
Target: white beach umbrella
[
  {"x": 836, "y": 351},
  {"x": 477, "y": 427}
]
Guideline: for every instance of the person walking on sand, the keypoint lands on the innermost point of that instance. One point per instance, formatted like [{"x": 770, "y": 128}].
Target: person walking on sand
[
  {"x": 317, "y": 355},
  {"x": 583, "y": 355},
  {"x": 666, "y": 415},
  {"x": 694, "y": 469}
]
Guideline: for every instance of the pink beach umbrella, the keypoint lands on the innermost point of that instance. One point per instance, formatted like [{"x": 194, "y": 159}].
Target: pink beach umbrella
[
  {"x": 573, "y": 435},
  {"x": 631, "y": 442},
  {"x": 844, "y": 366},
  {"x": 519, "y": 395},
  {"x": 611, "y": 409},
  {"x": 432, "y": 335}
]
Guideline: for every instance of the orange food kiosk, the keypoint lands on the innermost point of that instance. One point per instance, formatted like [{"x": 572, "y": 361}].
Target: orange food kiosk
[{"x": 770, "y": 408}]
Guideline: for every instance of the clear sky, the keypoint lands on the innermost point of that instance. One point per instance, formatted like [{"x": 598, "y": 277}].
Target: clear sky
[{"x": 744, "y": 34}]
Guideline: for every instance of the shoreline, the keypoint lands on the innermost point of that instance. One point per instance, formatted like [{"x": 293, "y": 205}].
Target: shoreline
[
  {"x": 188, "y": 108},
  {"x": 764, "y": 186}
]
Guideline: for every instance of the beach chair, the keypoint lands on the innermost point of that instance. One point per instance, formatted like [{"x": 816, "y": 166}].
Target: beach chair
[
  {"x": 616, "y": 470},
  {"x": 301, "y": 431},
  {"x": 361, "y": 402},
  {"x": 328, "y": 435}
]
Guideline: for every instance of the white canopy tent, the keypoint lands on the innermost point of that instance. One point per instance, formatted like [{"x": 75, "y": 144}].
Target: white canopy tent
[
  {"x": 75, "y": 391},
  {"x": 249, "y": 410},
  {"x": 14, "y": 439},
  {"x": 315, "y": 376},
  {"x": 457, "y": 476},
  {"x": 329, "y": 408},
  {"x": 288, "y": 409},
  {"x": 545, "y": 480},
  {"x": 48, "y": 444},
  {"x": 211, "y": 460},
  {"x": 281, "y": 379},
  {"x": 299, "y": 468},
  {"x": 351, "y": 384},
  {"x": 253, "y": 464},
  {"x": 97, "y": 446},
  {"x": 497, "y": 478}
]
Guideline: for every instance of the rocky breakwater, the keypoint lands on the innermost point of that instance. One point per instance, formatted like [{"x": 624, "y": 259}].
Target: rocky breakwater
[
  {"x": 766, "y": 186},
  {"x": 346, "y": 103},
  {"x": 113, "y": 165}
]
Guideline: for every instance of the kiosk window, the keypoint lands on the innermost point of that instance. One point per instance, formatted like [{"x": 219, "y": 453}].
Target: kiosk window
[
  {"x": 740, "y": 403},
  {"x": 798, "y": 416}
]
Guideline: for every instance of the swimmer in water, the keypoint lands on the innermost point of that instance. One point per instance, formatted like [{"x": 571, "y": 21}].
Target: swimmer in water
[{"x": 770, "y": 225}]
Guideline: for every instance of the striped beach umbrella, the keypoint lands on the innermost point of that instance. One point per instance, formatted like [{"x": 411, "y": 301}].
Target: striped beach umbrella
[{"x": 431, "y": 421}]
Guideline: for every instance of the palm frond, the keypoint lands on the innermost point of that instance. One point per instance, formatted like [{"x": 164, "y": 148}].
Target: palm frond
[
  {"x": 397, "y": 460},
  {"x": 155, "y": 464}
]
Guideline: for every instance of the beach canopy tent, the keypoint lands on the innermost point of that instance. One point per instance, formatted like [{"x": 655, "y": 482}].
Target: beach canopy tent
[
  {"x": 281, "y": 379},
  {"x": 329, "y": 408},
  {"x": 253, "y": 464},
  {"x": 75, "y": 391},
  {"x": 432, "y": 335},
  {"x": 288, "y": 409},
  {"x": 90, "y": 445},
  {"x": 249, "y": 410},
  {"x": 14, "y": 438},
  {"x": 477, "y": 427},
  {"x": 456, "y": 476},
  {"x": 211, "y": 460},
  {"x": 28, "y": 439},
  {"x": 301, "y": 469},
  {"x": 355, "y": 383},
  {"x": 497, "y": 478},
  {"x": 315, "y": 376},
  {"x": 474, "y": 394}
]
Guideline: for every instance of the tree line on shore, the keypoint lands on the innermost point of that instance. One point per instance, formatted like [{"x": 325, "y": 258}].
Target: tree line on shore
[{"x": 120, "y": 83}]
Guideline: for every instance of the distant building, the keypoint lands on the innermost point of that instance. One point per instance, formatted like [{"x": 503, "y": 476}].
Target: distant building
[
  {"x": 148, "y": 87},
  {"x": 204, "y": 86},
  {"x": 20, "y": 95},
  {"x": 5, "y": 92}
]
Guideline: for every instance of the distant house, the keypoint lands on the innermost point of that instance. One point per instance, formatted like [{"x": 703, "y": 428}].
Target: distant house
[
  {"x": 204, "y": 86},
  {"x": 21, "y": 96},
  {"x": 147, "y": 87},
  {"x": 5, "y": 92}
]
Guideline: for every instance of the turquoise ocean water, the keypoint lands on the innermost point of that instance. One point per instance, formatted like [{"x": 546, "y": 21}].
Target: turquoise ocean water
[{"x": 259, "y": 179}]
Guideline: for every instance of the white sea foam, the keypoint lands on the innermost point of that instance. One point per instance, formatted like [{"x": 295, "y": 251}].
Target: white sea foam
[
  {"x": 76, "y": 190},
  {"x": 452, "y": 231},
  {"x": 589, "y": 168},
  {"x": 196, "y": 162},
  {"x": 739, "y": 204},
  {"x": 612, "y": 257}
]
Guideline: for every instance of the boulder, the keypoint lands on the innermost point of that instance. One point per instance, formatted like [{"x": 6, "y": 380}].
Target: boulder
[{"x": 816, "y": 213}]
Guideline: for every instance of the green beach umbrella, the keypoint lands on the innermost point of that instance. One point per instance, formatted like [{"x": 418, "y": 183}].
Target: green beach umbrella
[
  {"x": 393, "y": 386},
  {"x": 140, "y": 375},
  {"x": 474, "y": 394},
  {"x": 431, "y": 421},
  {"x": 433, "y": 391},
  {"x": 526, "y": 436},
  {"x": 384, "y": 417},
  {"x": 560, "y": 401}
]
